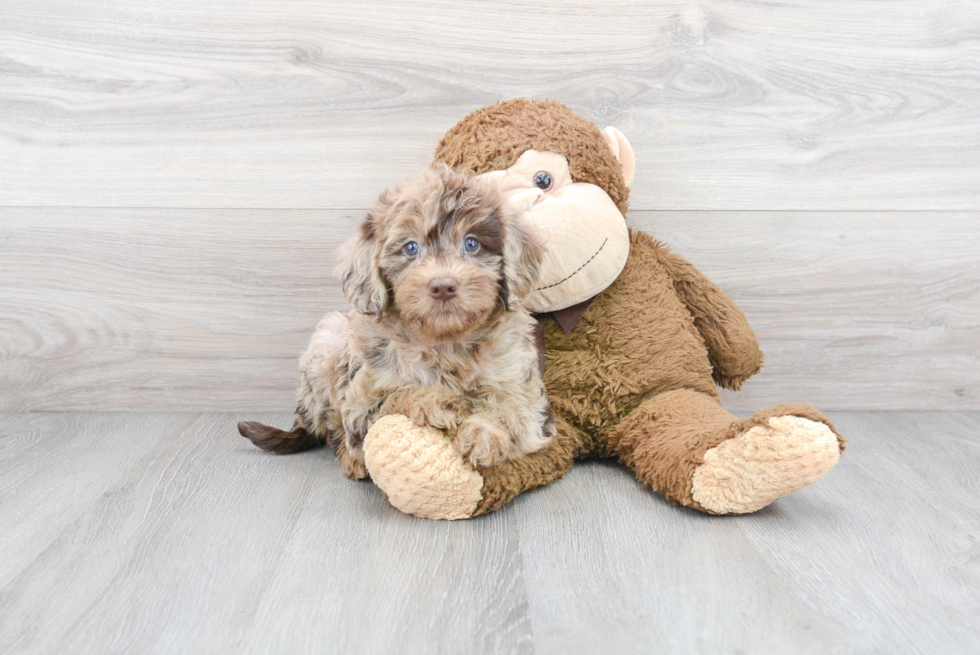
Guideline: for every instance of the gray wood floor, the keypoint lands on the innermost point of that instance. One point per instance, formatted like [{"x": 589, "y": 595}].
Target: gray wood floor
[{"x": 167, "y": 533}]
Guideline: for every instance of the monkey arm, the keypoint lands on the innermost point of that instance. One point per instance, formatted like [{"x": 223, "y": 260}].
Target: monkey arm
[{"x": 732, "y": 346}]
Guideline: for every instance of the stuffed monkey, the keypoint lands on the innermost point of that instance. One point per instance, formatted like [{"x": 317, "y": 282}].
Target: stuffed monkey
[{"x": 635, "y": 341}]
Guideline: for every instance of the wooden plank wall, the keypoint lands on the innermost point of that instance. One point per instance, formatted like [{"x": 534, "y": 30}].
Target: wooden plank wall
[{"x": 174, "y": 177}]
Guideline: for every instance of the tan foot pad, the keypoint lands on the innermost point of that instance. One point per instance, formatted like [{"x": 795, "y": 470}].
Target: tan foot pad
[
  {"x": 746, "y": 473},
  {"x": 420, "y": 470}
]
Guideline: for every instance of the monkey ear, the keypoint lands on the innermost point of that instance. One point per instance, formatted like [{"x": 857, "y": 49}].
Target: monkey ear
[
  {"x": 522, "y": 256},
  {"x": 617, "y": 142},
  {"x": 358, "y": 270}
]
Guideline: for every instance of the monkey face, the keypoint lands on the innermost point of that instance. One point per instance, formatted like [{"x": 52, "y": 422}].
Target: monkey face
[
  {"x": 570, "y": 178},
  {"x": 584, "y": 234}
]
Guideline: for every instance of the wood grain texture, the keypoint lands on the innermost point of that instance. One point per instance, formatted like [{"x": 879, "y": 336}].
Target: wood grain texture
[
  {"x": 208, "y": 309},
  {"x": 869, "y": 310},
  {"x": 305, "y": 104},
  {"x": 147, "y": 309},
  {"x": 879, "y": 556},
  {"x": 908, "y": 477},
  {"x": 54, "y": 466},
  {"x": 168, "y": 533},
  {"x": 205, "y": 544}
]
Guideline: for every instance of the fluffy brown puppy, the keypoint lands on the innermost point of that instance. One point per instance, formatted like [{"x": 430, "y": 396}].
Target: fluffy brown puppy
[{"x": 435, "y": 276}]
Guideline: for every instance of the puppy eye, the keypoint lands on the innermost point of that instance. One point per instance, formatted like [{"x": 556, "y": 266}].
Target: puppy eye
[
  {"x": 411, "y": 249},
  {"x": 542, "y": 180},
  {"x": 471, "y": 245}
]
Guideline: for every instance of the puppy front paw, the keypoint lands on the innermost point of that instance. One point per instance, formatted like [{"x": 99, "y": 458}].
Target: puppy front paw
[
  {"x": 352, "y": 462},
  {"x": 439, "y": 413},
  {"x": 483, "y": 442},
  {"x": 435, "y": 407}
]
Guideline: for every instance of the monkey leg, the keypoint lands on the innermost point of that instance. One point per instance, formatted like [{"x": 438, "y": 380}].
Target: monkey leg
[
  {"x": 508, "y": 479},
  {"x": 688, "y": 448},
  {"x": 423, "y": 474}
]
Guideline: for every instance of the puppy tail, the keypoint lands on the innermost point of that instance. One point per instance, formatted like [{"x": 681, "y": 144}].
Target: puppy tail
[{"x": 278, "y": 441}]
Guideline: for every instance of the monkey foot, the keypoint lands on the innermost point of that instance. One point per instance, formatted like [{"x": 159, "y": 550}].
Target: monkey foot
[
  {"x": 420, "y": 470},
  {"x": 766, "y": 462}
]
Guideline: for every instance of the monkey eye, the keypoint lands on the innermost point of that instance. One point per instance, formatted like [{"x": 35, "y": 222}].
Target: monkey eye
[
  {"x": 410, "y": 249},
  {"x": 542, "y": 180},
  {"x": 471, "y": 245}
]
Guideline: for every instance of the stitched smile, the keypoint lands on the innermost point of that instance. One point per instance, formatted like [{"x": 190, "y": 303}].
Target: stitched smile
[{"x": 567, "y": 277}]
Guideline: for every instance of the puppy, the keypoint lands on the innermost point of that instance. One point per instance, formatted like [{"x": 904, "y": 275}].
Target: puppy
[{"x": 435, "y": 277}]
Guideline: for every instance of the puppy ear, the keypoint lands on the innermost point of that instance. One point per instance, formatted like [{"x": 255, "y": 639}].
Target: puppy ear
[
  {"x": 522, "y": 259},
  {"x": 358, "y": 268}
]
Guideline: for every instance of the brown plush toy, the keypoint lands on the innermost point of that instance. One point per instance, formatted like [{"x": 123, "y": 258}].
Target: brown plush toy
[{"x": 636, "y": 341}]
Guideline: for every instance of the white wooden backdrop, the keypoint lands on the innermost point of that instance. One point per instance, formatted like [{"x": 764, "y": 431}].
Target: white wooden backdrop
[{"x": 162, "y": 165}]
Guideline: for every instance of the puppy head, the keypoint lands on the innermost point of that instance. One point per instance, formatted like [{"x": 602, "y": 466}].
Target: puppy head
[{"x": 441, "y": 253}]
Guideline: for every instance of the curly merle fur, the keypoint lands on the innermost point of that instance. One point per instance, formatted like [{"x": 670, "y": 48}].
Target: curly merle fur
[{"x": 467, "y": 364}]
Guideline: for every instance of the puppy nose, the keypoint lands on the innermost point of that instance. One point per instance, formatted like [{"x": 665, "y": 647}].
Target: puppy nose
[{"x": 443, "y": 288}]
